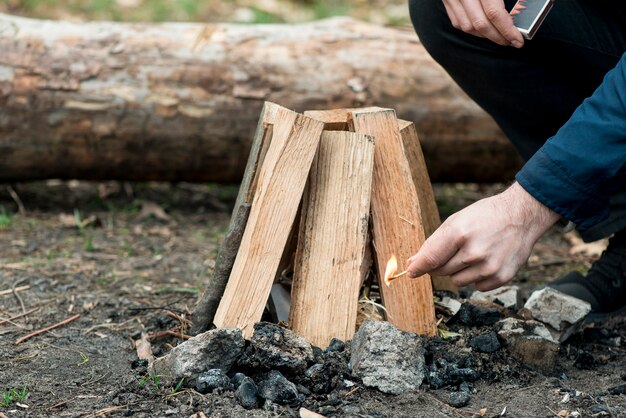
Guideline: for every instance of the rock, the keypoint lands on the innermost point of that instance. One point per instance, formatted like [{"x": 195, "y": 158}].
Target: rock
[
  {"x": 476, "y": 315},
  {"x": 505, "y": 296},
  {"x": 459, "y": 399},
  {"x": 562, "y": 312},
  {"x": 213, "y": 379},
  {"x": 216, "y": 349},
  {"x": 530, "y": 342},
  {"x": 386, "y": 358},
  {"x": 275, "y": 347},
  {"x": 246, "y": 393},
  {"x": 487, "y": 343},
  {"x": 138, "y": 363},
  {"x": 276, "y": 388}
]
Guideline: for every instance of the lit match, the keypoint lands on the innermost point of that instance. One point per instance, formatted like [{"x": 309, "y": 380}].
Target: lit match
[{"x": 390, "y": 271}]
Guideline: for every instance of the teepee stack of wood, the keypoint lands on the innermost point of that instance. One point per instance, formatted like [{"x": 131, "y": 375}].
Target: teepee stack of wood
[{"x": 331, "y": 192}]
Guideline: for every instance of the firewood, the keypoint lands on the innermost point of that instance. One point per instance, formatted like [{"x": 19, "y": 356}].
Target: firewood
[
  {"x": 204, "y": 312},
  {"x": 333, "y": 239},
  {"x": 280, "y": 184},
  {"x": 396, "y": 221},
  {"x": 424, "y": 189}
]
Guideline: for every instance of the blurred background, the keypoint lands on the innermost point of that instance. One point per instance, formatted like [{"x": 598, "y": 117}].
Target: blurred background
[{"x": 389, "y": 12}]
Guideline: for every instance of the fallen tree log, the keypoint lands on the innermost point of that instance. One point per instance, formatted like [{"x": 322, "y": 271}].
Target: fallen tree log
[{"x": 180, "y": 101}]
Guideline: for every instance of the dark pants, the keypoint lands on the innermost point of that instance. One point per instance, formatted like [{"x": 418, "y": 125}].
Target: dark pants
[{"x": 532, "y": 92}]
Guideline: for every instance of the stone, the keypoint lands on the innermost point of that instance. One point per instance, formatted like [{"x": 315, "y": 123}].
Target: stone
[
  {"x": 563, "y": 313},
  {"x": 387, "y": 358},
  {"x": 216, "y": 349},
  {"x": 459, "y": 399},
  {"x": 618, "y": 390},
  {"x": 486, "y": 343},
  {"x": 277, "y": 389},
  {"x": 530, "y": 342},
  {"x": 477, "y": 315},
  {"x": 213, "y": 379},
  {"x": 505, "y": 296},
  {"x": 275, "y": 347},
  {"x": 247, "y": 393}
]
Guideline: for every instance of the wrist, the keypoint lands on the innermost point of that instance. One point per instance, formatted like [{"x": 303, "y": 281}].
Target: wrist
[{"x": 533, "y": 214}]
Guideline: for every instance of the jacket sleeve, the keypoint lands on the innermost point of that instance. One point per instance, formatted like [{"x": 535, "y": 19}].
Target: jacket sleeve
[{"x": 577, "y": 170}]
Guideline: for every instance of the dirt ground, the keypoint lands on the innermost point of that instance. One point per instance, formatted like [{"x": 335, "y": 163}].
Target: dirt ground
[{"x": 133, "y": 258}]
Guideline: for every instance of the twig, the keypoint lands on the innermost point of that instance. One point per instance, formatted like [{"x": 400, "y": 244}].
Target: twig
[
  {"x": 552, "y": 410},
  {"x": 91, "y": 382},
  {"x": 41, "y": 331},
  {"x": 17, "y": 289},
  {"x": 17, "y": 296},
  {"x": 3, "y": 321},
  {"x": 17, "y": 200},
  {"x": 161, "y": 334}
]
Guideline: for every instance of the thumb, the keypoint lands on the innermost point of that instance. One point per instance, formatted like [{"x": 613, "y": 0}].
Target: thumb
[{"x": 434, "y": 253}]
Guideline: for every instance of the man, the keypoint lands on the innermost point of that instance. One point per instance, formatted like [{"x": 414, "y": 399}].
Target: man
[{"x": 565, "y": 87}]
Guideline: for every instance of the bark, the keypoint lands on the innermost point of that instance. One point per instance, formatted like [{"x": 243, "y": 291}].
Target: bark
[{"x": 180, "y": 101}]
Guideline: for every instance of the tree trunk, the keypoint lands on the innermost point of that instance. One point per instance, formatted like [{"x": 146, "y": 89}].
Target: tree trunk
[{"x": 180, "y": 101}]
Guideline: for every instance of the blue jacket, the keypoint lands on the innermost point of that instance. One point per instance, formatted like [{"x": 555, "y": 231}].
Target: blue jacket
[{"x": 579, "y": 168}]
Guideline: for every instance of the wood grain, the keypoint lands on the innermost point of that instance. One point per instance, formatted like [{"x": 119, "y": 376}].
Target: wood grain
[
  {"x": 280, "y": 185},
  {"x": 396, "y": 221},
  {"x": 333, "y": 239}
]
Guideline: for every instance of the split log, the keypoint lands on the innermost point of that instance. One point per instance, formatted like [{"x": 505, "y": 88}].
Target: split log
[
  {"x": 179, "y": 101},
  {"x": 396, "y": 222},
  {"x": 424, "y": 189},
  {"x": 333, "y": 239},
  {"x": 281, "y": 181}
]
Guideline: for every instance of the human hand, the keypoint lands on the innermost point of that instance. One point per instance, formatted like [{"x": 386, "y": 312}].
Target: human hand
[
  {"x": 487, "y": 242},
  {"x": 485, "y": 18}
]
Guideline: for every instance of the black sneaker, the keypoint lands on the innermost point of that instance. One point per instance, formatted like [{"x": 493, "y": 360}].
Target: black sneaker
[{"x": 604, "y": 286}]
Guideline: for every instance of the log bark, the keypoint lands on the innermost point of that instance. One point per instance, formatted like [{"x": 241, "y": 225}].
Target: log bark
[{"x": 180, "y": 101}]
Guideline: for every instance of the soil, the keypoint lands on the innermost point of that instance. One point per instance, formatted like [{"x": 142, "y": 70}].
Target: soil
[{"x": 133, "y": 258}]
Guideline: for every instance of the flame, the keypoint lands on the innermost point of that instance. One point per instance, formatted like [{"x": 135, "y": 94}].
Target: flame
[{"x": 392, "y": 267}]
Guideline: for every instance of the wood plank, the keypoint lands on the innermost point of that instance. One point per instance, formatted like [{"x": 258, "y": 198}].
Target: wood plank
[
  {"x": 281, "y": 182},
  {"x": 333, "y": 239},
  {"x": 204, "y": 312},
  {"x": 424, "y": 189},
  {"x": 396, "y": 222},
  {"x": 334, "y": 119}
]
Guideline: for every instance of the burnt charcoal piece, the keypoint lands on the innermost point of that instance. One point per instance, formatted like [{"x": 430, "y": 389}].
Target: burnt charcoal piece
[
  {"x": 618, "y": 390},
  {"x": 276, "y": 388},
  {"x": 487, "y": 343},
  {"x": 274, "y": 347},
  {"x": 211, "y": 380},
  {"x": 335, "y": 345},
  {"x": 478, "y": 315},
  {"x": 246, "y": 393},
  {"x": 585, "y": 361},
  {"x": 237, "y": 379},
  {"x": 459, "y": 399},
  {"x": 443, "y": 373},
  {"x": 139, "y": 363}
]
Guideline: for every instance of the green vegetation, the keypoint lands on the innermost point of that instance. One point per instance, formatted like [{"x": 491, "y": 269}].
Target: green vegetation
[
  {"x": 10, "y": 396},
  {"x": 5, "y": 218},
  {"x": 392, "y": 12}
]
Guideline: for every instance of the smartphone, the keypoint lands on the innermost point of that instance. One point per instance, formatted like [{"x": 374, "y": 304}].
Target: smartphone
[{"x": 528, "y": 15}]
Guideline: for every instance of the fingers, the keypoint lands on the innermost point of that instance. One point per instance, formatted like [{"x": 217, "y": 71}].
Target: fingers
[
  {"x": 484, "y": 18},
  {"x": 434, "y": 253},
  {"x": 479, "y": 23},
  {"x": 498, "y": 16},
  {"x": 487, "y": 275}
]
